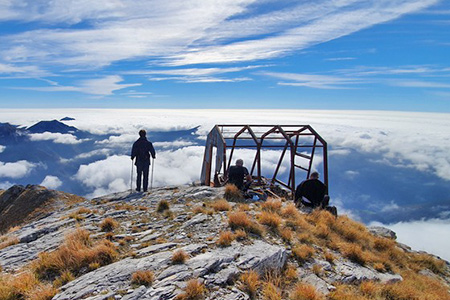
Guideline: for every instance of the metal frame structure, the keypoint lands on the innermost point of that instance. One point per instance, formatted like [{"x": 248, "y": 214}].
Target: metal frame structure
[{"x": 300, "y": 141}]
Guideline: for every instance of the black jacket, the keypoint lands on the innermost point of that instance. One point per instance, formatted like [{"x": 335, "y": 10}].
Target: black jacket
[
  {"x": 142, "y": 149},
  {"x": 312, "y": 189}
]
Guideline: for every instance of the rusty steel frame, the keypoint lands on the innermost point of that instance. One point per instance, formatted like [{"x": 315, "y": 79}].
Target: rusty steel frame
[{"x": 288, "y": 135}]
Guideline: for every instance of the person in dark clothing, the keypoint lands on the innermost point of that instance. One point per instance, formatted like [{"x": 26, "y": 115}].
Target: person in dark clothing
[
  {"x": 312, "y": 192},
  {"x": 141, "y": 150},
  {"x": 237, "y": 174}
]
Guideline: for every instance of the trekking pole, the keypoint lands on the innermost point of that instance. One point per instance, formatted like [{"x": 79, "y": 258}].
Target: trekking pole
[
  {"x": 131, "y": 182},
  {"x": 151, "y": 180}
]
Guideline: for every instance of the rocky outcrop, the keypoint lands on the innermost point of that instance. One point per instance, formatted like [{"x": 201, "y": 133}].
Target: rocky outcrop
[
  {"x": 147, "y": 240},
  {"x": 19, "y": 204}
]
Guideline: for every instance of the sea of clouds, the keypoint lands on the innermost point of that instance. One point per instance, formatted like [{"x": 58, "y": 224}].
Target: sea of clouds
[{"x": 404, "y": 141}]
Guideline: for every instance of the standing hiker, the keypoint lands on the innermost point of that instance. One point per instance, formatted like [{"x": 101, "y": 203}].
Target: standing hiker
[{"x": 141, "y": 150}]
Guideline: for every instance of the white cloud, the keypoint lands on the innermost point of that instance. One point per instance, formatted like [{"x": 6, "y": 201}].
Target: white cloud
[
  {"x": 56, "y": 137},
  {"x": 51, "y": 182},
  {"x": 174, "y": 144},
  {"x": 2, "y": 148},
  {"x": 351, "y": 174},
  {"x": 312, "y": 80},
  {"x": 186, "y": 32},
  {"x": 4, "y": 185},
  {"x": 16, "y": 169},
  {"x": 426, "y": 235},
  {"x": 390, "y": 207},
  {"x": 99, "y": 86},
  {"x": 404, "y": 139}
]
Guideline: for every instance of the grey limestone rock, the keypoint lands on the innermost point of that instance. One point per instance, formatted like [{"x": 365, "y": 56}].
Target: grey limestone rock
[{"x": 382, "y": 231}]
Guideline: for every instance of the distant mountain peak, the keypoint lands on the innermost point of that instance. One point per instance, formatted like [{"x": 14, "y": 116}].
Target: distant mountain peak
[
  {"x": 10, "y": 133},
  {"x": 51, "y": 126},
  {"x": 67, "y": 119}
]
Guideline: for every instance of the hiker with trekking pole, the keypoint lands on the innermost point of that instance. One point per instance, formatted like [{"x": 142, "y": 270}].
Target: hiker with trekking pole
[{"x": 142, "y": 150}]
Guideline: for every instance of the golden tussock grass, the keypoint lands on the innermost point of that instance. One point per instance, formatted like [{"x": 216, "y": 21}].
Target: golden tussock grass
[
  {"x": 271, "y": 292},
  {"x": 108, "y": 224},
  {"x": 273, "y": 205},
  {"x": 124, "y": 206},
  {"x": 290, "y": 212},
  {"x": 321, "y": 231},
  {"x": 290, "y": 273},
  {"x": 64, "y": 278},
  {"x": 370, "y": 288},
  {"x": 42, "y": 292},
  {"x": 317, "y": 269},
  {"x": 74, "y": 255},
  {"x": 355, "y": 253},
  {"x": 162, "y": 206},
  {"x": 83, "y": 210},
  {"x": 286, "y": 234},
  {"x": 6, "y": 241},
  {"x": 194, "y": 290},
  {"x": 143, "y": 277},
  {"x": 179, "y": 257},
  {"x": 349, "y": 292},
  {"x": 383, "y": 244},
  {"x": 24, "y": 286},
  {"x": 240, "y": 220},
  {"x": 269, "y": 218},
  {"x": 243, "y": 207},
  {"x": 221, "y": 205},
  {"x": 225, "y": 238},
  {"x": 422, "y": 260},
  {"x": 306, "y": 238},
  {"x": 249, "y": 283},
  {"x": 305, "y": 292},
  {"x": 329, "y": 257},
  {"x": 240, "y": 234},
  {"x": 198, "y": 209},
  {"x": 232, "y": 193},
  {"x": 303, "y": 252}
]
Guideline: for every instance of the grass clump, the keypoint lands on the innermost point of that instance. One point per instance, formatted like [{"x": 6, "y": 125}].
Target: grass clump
[
  {"x": 163, "y": 205},
  {"x": 64, "y": 278},
  {"x": 273, "y": 205},
  {"x": 194, "y": 290},
  {"x": 75, "y": 255},
  {"x": 179, "y": 257},
  {"x": 355, "y": 253},
  {"x": 271, "y": 292},
  {"x": 302, "y": 252},
  {"x": 240, "y": 220},
  {"x": 286, "y": 234},
  {"x": 249, "y": 283},
  {"x": 143, "y": 277},
  {"x": 6, "y": 241},
  {"x": 221, "y": 205},
  {"x": 269, "y": 218},
  {"x": 225, "y": 238},
  {"x": 108, "y": 224},
  {"x": 232, "y": 193},
  {"x": 305, "y": 292},
  {"x": 24, "y": 286}
]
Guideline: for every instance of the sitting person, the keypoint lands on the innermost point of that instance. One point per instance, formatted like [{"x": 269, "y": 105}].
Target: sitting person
[
  {"x": 312, "y": 192},
  {"x": 236, "y": 175}
]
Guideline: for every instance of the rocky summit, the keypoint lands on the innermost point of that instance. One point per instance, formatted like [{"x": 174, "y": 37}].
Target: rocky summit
[{"x": 188, "y": 242}]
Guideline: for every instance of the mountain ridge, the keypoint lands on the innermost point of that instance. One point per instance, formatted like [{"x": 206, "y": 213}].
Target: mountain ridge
[{"x": 189, "y": 238}]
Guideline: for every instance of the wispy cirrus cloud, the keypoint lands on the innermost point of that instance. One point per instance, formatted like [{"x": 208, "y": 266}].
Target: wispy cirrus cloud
[
  {"x": 183, "y": 33},
  {"x": 99, "y": 86},
  {"x": 313, "y": 80}
]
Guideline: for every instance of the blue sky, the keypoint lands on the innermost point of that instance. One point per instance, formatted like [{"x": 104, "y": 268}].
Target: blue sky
[{"x": 342, "y": 54}]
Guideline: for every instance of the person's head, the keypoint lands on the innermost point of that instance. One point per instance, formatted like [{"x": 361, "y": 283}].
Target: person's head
[
  {"x": 142, "y": 133},
  {"x": 314, "y": 175},
  {"x": 239, "y": 162}
]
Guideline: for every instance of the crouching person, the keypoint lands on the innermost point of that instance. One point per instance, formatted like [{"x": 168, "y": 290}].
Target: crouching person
[{"x": 312, "y": 193}]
